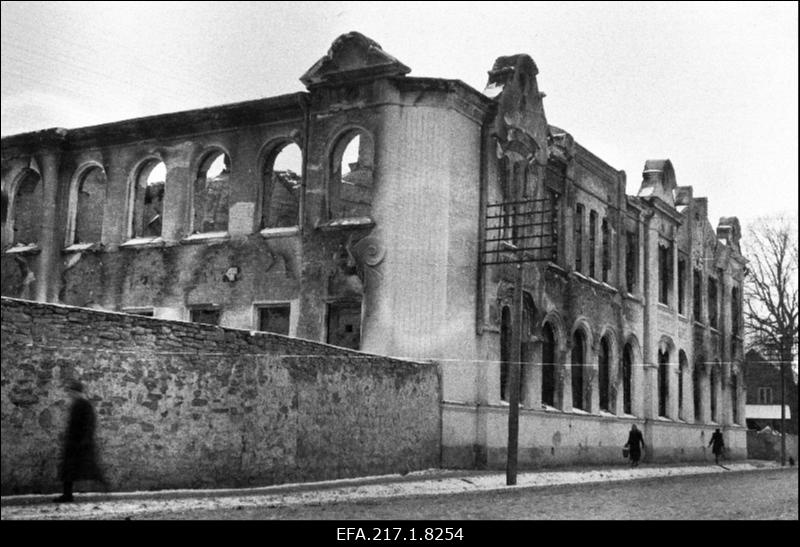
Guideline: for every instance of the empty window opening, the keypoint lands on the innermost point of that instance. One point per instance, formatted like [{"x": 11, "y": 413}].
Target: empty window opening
[
  {"x": 148, "y": 200},
  {"x": 603, "y": 373},
  {"x": 663, "y": 379},
  {"x": 697, "y": 290},
  {"x": 144, "y": 312},
  {"x": 736, "y": 311},
  {"x": 631, "y": 260},
  {"x": 28, "y": 208},
  {"x": 548, "y": 366},
  {"x": 713, "y": 383},
  {"x": 592, "y": 242},
  {"x": 713, "y": 310},
  {"x": 682, "y": 365},
  {"x": 627, "y": 373},
  {"x": 211, "y": 194},
  {"x": 351, "y": 184},
  {"x": 91, "y": 194},
  {"x": 578, "y": 361},
  {"x": 681, "y": 285},
  {"x": 505, "y": 351},
  {"x": 697, "y": 387},
  {"x": 280, "y": 206},
  {"x": 664, "y": 272},
  {"x": 344, "y": 324},
  {"x": 735, "y": 398},
  {"x": 209, "y": 316},
  {"x": 578, "y": 237},
  {"x": 765, "y": 396},
  {"x": 274, "y": 319},
  {"x": 606, "y": 255}
]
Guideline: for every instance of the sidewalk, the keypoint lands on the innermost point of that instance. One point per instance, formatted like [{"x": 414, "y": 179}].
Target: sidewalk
[{"x": 419, "y": 483}]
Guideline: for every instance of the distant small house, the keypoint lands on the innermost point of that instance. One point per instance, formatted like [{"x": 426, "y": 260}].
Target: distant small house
[{"x": 763, "y": 403}]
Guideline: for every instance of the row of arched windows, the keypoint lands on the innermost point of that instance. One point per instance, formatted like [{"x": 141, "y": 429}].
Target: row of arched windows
[
  {"x": 349, "y": 193},
  {"x": 617, "y": 383}
]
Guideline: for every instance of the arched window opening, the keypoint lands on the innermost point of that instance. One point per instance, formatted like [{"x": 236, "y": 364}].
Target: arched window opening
[
  {"x": 27, "y": 208},
  {"x": 735, "y": 398},
  {"x": 280, "y": 206},
  {"x": 682, "y": 365},
  {"x": 91, "y": 199},
  {"x": 735, "y": 312},
  {"x": 663, "y": 378},
  {"x": 697, "y": 388},
  {"x": 627, "y": 373},
  {"x": 548, "y": 366},
  {"x": 528, "y": 315},
  {"x": 505, "y": 351},
  {"x": 603, "y": 373},
  {"x": 578, "y": 361},
  {"x": 351, "y": 183},
  {"x": 713, "y": 382},
  {"x": 148, "y": 200},
  {"x": 211, "y": 194}
]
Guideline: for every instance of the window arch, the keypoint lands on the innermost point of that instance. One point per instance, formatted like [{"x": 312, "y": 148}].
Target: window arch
[
  {"x": 683, "y": 364},
  {"x": 604, "y": 364},
  {"x": 87, "y": 202},
  {"x": 25, "y": 208},
  {"x": 350, "y": 185},
  {"x": 212, "y": 193},
  {"x": 627, "y": 377},
  {"x": 281, "y": 187},
  {"x": 147, "y": 199},
  {"x": 663, "y": 381},
  {"x": 578, "y": 362},
  {"x": 548, "y": 365}
]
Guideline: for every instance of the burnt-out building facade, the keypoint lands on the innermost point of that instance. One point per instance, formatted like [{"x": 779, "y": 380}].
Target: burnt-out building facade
[{"x": 389, "y": 213}]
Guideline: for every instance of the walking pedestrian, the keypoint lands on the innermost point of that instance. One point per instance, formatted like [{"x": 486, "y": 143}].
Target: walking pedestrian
[
  {"x": 635, "y": 445},
  {"x": 717, "y": 445},
  {"x": 78, "y": 458}
]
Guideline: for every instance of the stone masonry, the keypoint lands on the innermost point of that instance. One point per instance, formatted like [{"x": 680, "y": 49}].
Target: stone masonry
[{"x": 184, "y": 405}]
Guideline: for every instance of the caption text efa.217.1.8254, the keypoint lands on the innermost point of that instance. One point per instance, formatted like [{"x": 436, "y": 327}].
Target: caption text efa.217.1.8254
[{"x": 399, "y": 534}]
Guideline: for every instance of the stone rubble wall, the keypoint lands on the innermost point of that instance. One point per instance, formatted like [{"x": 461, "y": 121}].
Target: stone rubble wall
[{"x": 185, "y": 405}]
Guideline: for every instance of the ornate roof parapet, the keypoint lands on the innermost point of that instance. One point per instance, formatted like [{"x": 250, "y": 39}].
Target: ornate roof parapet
[
  {"x": 658, "y": 180},
  {"x": 520, "y": 124},
  {"x": 729, "y": 231},
  {"x": 353, "y": 56}
]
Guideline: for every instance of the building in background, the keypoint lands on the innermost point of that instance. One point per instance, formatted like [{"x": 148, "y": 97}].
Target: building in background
[
  {"x": 388, "y": 213},
  {"x": 763, "y": 378}
]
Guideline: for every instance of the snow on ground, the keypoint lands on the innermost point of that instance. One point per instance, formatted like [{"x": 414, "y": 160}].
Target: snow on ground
[{"x": 430, "y": 482}]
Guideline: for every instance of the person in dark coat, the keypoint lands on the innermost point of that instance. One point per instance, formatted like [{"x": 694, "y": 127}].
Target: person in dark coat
[
  {"x": 635, "y": 445},
  {"x": 78, "y": 458},
  {"x": 717, "y": 444}
]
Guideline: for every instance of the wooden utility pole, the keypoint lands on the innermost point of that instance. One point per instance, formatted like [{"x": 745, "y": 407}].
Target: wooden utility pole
[
  {"x": 783, "y": 400},
  {"x": 514, "y": 377}
]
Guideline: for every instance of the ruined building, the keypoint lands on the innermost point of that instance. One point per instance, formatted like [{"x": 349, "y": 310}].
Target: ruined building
[{"x": 388, "y": 213}]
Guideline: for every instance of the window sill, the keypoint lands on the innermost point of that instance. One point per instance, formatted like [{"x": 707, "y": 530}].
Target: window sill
[
  {"x": 206, "y": 237},
  {"x": 664, "y": 307},
  {"x": 346, "y": 223},
  {"x": 24, "y": 249},
  {"x": 83, "y": 247},
  {"x": 635, "y": 298},
  {"x": 271, "y": 233},
  {"x": 140, "y": 242}
]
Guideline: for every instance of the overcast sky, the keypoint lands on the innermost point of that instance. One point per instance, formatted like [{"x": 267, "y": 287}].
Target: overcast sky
[{"x": 711, "y": 86}]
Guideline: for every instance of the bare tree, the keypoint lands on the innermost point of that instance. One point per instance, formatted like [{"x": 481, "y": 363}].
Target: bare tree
[{"x": 770, "y": 303}]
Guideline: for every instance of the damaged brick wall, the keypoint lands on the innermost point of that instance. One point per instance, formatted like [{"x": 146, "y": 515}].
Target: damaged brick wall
[{"x": 185, "y": 405}]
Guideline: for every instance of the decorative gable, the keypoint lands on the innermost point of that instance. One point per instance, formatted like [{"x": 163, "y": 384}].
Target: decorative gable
[
  {"x": 658, "y": 180},
  {"x": 353, "y": 56}
]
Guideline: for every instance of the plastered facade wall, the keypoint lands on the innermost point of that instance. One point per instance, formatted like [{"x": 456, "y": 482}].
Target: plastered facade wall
[{"x": 183, "y": 405}]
